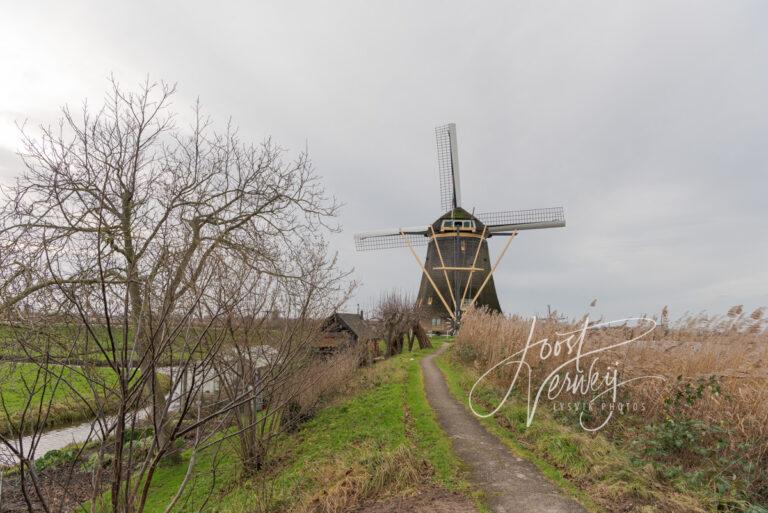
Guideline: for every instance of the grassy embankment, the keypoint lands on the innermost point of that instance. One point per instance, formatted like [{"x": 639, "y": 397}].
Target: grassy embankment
[
  {"x": 661, "y": 461},
  {"x": 377, "y": 438}
]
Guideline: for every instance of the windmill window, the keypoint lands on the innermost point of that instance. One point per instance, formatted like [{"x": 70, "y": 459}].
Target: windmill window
[
  {"x": 456, "y": 224},
  {"x": 429, "y": 300},
  {"x": 463, "y": 245}
]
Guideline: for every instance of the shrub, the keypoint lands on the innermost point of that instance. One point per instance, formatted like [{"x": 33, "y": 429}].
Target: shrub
[{"x": 56, "y": 458}]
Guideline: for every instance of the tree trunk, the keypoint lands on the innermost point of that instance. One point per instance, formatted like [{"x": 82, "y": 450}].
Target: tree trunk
[
  {"x": 421, "y": 336},
  {"x": 390, "y": 340}
]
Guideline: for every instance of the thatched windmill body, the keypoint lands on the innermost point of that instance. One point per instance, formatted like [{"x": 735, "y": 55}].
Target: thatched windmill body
[{"x": 458, "y": 272}]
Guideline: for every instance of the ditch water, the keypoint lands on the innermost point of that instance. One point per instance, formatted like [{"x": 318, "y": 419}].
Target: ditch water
[{"x": 58, "y": 438}]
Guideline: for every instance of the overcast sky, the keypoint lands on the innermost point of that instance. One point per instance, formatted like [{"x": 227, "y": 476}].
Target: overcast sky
[{"x": 647, "y": 120}]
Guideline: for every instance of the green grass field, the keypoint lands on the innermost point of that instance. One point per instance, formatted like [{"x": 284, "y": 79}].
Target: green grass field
[{"x": 75, "y": 342}]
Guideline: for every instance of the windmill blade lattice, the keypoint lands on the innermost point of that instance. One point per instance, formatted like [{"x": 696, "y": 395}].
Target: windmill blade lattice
[
  {"x": 374, "y": 241},
  {"x": 513, "y": 220},
  {"x": 448, "y": 167}
]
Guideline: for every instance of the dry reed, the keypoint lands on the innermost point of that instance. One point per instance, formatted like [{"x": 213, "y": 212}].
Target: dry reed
[{"x": 715, "y": 370}]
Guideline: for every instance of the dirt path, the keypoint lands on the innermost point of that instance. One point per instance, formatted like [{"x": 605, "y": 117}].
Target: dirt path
[{"x": 513, "y": 485}]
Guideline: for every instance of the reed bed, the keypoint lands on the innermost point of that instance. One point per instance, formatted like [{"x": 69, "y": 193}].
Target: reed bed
[{"x": 707, "y": 417}]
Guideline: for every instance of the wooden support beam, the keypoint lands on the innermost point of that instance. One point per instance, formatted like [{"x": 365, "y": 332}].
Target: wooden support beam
[
  {"x": 474, "y": 263},
  {"x": 442, "y": 263},
  {"x": 458, "y": 234},
  {"x": 448, "y": 268},
  {"x": 424, "y": 270},
  {"x": 487, "y": 278}
]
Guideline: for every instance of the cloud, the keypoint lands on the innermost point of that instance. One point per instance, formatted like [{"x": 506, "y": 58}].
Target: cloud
[{"x": 646, "y": 120}]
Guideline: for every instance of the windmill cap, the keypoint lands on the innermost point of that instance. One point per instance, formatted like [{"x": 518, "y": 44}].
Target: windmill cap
[{"x": 457, "y": 213}]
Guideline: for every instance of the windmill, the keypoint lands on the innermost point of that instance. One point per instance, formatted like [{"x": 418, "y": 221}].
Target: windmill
[{"x": 457, "y": 272}]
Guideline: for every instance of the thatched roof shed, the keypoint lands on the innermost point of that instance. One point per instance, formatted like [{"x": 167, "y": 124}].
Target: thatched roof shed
[{"x": 341, "y": 329}]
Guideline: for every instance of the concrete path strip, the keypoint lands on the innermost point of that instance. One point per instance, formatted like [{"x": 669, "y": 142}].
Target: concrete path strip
[{"x": 512, "y": 484}]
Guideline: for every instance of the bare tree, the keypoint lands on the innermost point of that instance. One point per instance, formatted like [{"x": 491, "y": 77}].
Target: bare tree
[
  {"x": 399, "y": 323},
  {"x": 141, "y": 245}
]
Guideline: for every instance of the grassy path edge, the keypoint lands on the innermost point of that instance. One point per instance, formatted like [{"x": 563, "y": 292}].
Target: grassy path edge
[{"x": 453, "y": 375}]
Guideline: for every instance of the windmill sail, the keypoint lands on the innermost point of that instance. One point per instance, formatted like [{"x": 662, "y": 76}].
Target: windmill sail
[
  {"x": 448, "y": 167},
  {"x": 387, "y": 239},
  {"x": 457, "y": 271},
  {"x": 515, "y": 220}
]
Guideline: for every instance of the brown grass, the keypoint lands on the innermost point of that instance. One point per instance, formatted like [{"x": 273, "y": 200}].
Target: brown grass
[
  {"x": 326, "y": 378},
  {"x": 346, "y": 487},
  {"x": 728, "y": 354}
]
